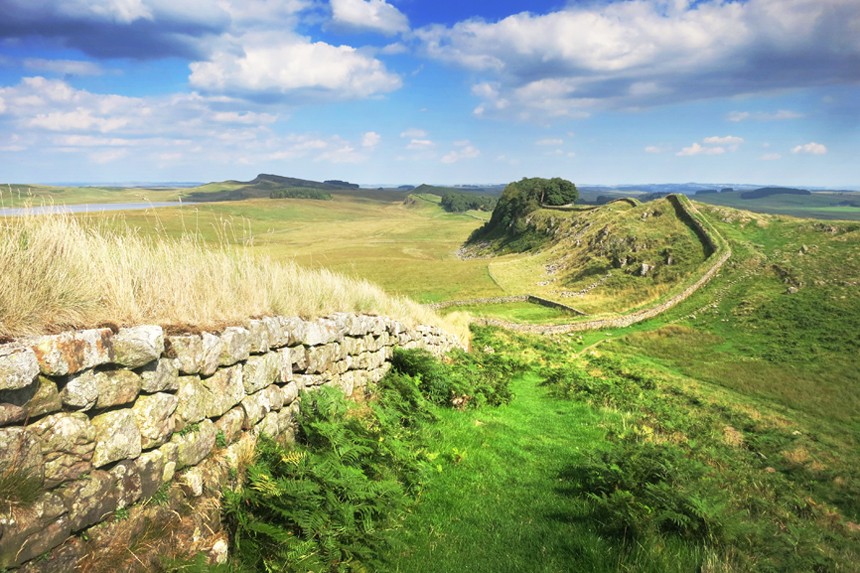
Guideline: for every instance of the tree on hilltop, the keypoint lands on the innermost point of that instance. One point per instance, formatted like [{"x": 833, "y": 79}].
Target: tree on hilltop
[{"x": 521, "y": 198}]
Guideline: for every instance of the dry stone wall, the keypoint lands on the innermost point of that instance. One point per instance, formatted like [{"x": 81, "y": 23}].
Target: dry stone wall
[
  {"x": 720, "y": 253},
  {"x": 100, "y": 419}
]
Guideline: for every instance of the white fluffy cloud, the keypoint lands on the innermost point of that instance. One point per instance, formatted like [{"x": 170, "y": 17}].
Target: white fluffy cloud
[
  {"x": 420, "y": 145},
  {"x": 374, "y": 15},
  {"x": 811, "y": 149},
  {"x": 638, "y": 53},
  {"x": 289, "y": 65},
  {"x": 414, "y": 132},
  {"x": 467, "y": 152},
  {"x": 371, "y": 139},
  {"x": 697, "y": 149},
  {"x": 727, "y": 140},
  {"x": 56, "y": 118},
  {"x": 549, "y": 142}
]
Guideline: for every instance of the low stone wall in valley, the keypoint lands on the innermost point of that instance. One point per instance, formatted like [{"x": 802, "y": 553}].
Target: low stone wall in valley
[{"x": 98, "y": 420}]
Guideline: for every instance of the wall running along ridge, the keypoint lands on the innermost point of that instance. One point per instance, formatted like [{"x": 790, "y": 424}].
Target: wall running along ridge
[
  {"x": 720, "y": 253},
  {"x": 102, "y": 419},
  {"x": 505, "y": 299}
]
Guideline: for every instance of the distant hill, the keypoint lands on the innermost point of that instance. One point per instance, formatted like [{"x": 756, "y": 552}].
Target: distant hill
[
  {"x": 768, "y": 191},
  {"x": 440, "y": 191},
  {"x": 267, "y": 185}
]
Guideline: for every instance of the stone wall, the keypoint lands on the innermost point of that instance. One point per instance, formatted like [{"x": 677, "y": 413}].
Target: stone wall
[
  {"x": 100, "y": 419},
  {"x": 505, "y": 299},
  {"x": 712, "y": 239}
]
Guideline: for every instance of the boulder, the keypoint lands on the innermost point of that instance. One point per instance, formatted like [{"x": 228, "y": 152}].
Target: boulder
[
  {"x": 18, "y": 366},
  {"x": 291, "y": 392},
  {"x": 154, "y": 417},
  {"x": 134, "y": 347},
  {"x": 160, "y": 376},
  {"x": 117, "y": 437},
  {"x": 68, "y": 442}
]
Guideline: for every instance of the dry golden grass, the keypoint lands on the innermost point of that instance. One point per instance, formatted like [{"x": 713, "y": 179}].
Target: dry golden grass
[{"x": 62, "y": 272}]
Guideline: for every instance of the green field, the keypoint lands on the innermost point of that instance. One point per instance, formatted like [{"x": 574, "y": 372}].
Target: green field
[
  {"x": 818, "y": 205},
  {"x": 720, "y": 436}
]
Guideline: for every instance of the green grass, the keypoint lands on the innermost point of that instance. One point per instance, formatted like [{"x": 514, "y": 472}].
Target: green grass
[
  {"x": 517, "y": 312},
  {"x": 818, "y": 205},
  {"x": 504, "y": 506}
]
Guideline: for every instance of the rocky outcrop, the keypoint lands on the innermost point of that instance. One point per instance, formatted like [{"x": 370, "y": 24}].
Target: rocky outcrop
[{"x": 102, "y": 419}]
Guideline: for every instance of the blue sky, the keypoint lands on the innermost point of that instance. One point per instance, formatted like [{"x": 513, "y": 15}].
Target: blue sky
[{"x": 412, "y": 91}]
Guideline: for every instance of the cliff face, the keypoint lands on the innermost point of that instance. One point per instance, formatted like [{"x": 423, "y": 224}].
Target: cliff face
[{"x": 94, "y": 421}]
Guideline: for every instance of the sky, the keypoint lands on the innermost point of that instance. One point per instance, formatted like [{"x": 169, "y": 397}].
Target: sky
[{"x": 441, "y": 92}]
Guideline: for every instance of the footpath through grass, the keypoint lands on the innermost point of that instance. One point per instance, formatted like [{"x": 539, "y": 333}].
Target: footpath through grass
[{"x": 499, "y": 502}]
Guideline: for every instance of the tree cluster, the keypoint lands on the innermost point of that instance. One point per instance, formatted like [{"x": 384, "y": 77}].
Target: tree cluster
[{"x": 461, "y": 202}]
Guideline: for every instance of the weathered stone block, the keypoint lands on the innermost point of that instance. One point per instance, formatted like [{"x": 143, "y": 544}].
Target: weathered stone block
[
  {"x": 68, "y": 443},
  {"x": 235, "y": 345},
  {"x": 192, "y": 397},
  {"x": 295, "y": 329},
  {"x": 117, "y": 437},
  {"x": 231, "y": 423},
  {"x": 139, "y": 345},
  {"x": 31, "y": 531},
  {"x": 160, "y": 376},
  {"x": 285, "y": 360},
  {"x": 101, "y": 389},
  {"x": 61, "y": 559},
  {"x": 258, "y": 336},
  {"x": 154, "y": 417},
  {"x": 226, "y": 389},
  {"x": 72, "y": 352},
  {"x": 18, "y": 366},
  {"x": 268, "y": 425},
  {"x": 291, "y": 392},
  {"x": 187, "y": 351},
  {"x": 211, "y": 356},
  {"x": 127, "y": 487},
  {"x": 39, "y": 398},
  {"x": 321, "y": 358},
  {"x": 277, "y": 336},
  {"x": 150, "y": 468},
  {"x": 89, "y": 501},
  {"x": 192, "y": 481},
  {"x": 170, "y": 451},
  {"x": 260, "y": 371},
  {"x": 286, "y": 420},
  {"x": 276, "y": 397},
  {"x": 256, "y": 406},
  {"x": 299, "y": 356},
  {"x": 21, "y": 453},
  {"x": 194, "y": 446},
  {"x": 321, "y": 331}
]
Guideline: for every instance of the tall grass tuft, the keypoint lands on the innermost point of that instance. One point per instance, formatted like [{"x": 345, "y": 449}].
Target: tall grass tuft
[{"x": 61, "y": 272}]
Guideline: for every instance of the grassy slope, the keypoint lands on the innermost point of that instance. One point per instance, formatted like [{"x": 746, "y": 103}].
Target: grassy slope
[
  {"x": 818, "y": 205},
  {"x": 584, "y": 245},
  {"x": 360, "y": 234}
]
